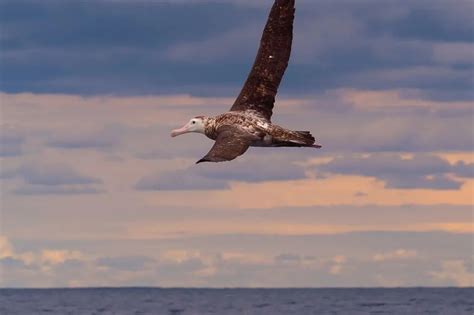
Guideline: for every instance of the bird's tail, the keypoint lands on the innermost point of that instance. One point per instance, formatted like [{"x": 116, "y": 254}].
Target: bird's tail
[
  {"x": 298, "y": 139},
  {"x": 307, "y": 138}
]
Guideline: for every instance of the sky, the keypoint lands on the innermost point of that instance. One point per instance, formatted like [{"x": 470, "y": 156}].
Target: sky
[{"x": 95, "y": 192}]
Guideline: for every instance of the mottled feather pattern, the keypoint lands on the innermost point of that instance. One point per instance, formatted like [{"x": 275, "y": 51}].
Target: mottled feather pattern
[
  {"x": 248, "y": 121},
  {"x": 258, "y": 129}
]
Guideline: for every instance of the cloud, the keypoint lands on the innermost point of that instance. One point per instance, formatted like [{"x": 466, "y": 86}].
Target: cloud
[
  {"x": 422, "y": 77},
  {"x": 104, "y": 139},
  {"x": 240, "y": 41},
  {"x": 454, "y": 53},
  {"x": 242, "y": 260},
  {"x": 41, "y": 267},
  {"x": 131, "y": 220},
  {"x": 333, "y": 265},
  {"x": 399, "y": 113},
  {"x": 191, "y": 267},
  {"x": 55, "y": 190},
  {"x": 399, "y": 254},
  {"x": 287, "y": 258},
  {"x": 419, "y": 171},
  {"x": 345, "y": 44},
  {"x": 11, "y": 142},
  {"x": 251, "y": 168},
  {"x": 57, "y": 175},
  {"x": 55, "y": 257},
  {"x": 76, "y": 55},
  {"x": 6, "y": 249},
  {"x": 178, "y": 180},
  {"x": 45, "y": 178},
  {"x": 43, "y": 260},
  {"x": 268, "y": 166},
  {"x": 126, "y": 263},
  {"x": 454, "y": 272},
  {"x": 443, "y": 22},
  {"x": 338, "y": 264},
  {"x": 463, "y": 169},
  {"x": 9, "y": 263}
]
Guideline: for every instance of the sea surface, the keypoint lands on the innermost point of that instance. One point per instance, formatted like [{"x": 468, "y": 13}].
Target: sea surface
[{"x": 237, "y": 301}]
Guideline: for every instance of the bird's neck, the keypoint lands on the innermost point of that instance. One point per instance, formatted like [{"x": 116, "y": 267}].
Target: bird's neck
[{"x": 210, "y": 127}]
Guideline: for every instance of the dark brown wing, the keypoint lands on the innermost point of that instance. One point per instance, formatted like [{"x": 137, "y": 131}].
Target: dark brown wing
[
  {"x": 230, "y": 143},
  {"x": 262, "y": 83}
]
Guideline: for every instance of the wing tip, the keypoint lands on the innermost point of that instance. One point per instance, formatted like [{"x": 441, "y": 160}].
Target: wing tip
[
  {"x": 283, "y": 2},
  {"x": 203, "y": 160}
]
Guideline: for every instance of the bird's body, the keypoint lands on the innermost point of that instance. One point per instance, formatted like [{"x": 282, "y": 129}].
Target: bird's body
[
  {"x": 257, "y": 128},
  {"x": 248, "y": 123}
]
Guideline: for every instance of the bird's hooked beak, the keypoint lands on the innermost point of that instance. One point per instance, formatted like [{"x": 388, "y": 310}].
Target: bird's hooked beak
[{"x": 180, "y": 131}]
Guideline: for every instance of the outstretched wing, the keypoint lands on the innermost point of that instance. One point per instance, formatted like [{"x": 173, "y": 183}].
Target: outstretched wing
[
  {"x": 262, "y": 83},
  {"x": 230, "y": 143}
]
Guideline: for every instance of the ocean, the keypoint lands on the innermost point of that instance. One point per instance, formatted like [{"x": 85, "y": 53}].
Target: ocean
[{"x": 237, "y": 301}]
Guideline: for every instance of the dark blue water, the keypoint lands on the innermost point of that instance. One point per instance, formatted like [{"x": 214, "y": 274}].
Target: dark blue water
[{"x": 237, "y": 301}]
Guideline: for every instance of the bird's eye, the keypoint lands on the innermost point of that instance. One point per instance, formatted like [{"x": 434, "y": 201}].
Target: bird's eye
[{"x": 194, "y": 122}]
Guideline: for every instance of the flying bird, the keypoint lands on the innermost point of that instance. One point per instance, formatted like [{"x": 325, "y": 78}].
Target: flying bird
[{"x": 248, "y": 123}]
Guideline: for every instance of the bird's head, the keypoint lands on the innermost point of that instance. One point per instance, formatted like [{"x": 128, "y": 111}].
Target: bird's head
[{"x": 196, "y": 124}]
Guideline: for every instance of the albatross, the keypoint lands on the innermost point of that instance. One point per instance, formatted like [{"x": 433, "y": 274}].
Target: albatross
[{"x": 248, "y": 122}]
